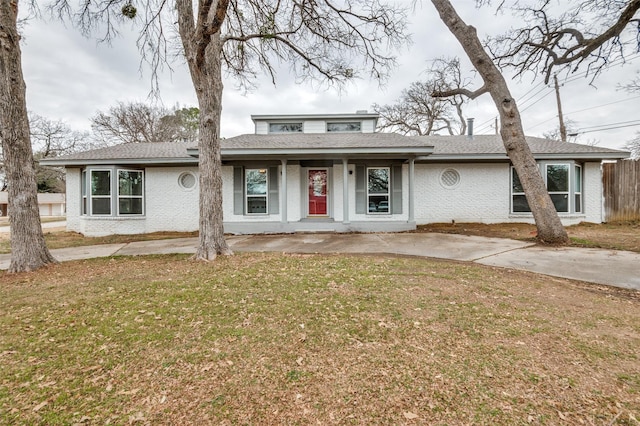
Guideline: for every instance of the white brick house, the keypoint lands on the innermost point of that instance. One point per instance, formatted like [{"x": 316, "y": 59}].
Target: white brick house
[{"x": 328, "y": 172}]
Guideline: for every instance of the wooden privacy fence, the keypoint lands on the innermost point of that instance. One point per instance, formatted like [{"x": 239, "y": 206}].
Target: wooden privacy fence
[{"x": 621, "y": 186}]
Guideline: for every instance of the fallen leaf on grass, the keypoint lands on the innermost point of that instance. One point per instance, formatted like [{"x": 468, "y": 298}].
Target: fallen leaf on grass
[{"x": 40, "y": 406}]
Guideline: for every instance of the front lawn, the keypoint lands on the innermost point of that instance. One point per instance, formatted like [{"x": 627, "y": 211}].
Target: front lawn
[{"x": 310, "y": 339}]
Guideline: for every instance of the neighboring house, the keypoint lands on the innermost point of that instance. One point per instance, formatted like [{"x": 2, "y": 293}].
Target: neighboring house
[
  {"x": 327, "y": 172},
  {"x": 49, "y": 204}
]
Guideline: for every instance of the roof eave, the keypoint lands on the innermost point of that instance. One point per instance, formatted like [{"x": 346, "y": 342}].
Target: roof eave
[{"x": 122, "y": 161}]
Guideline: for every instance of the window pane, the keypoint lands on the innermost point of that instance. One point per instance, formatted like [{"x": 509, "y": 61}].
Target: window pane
[
  {"x": 256, "y": 181},
  {"x": 344, "y": 127},
  {"x": 285, "y": 127},
  {"x": 129, "y": 183},
  {"x": 257, "y": 205},
  {"x": 101, "y": 206},
  {"x": 379, "y": 204},
  {"x": 561, "y": 201},
  {"x": 516, "y": 186},
  {"x": 83, "y": 183},
  {"x": 578, "y": 179},
  {"x": 520, "y": 204},
  {"x": 130, "y": 205},
  {"x": 101, "y": 182},
  {"x": 558, "y": 177},
  {"x": 378, "y": 181},
  {"x": 578, "y": 201}
]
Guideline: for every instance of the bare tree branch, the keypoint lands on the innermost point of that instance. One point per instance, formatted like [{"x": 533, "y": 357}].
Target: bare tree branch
[{"x": 588, "y": 32}]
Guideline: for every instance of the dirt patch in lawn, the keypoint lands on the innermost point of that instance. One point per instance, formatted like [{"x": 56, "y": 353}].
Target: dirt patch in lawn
[
  {"x": 313, "y": 339},
  {"x": 617, "y": 236}
]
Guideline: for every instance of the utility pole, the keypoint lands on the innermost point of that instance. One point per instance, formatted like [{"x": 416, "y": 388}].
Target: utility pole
[{"x": 563, "y": 130}]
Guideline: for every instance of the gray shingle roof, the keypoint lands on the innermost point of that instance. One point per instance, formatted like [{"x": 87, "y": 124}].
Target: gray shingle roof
[
  {"x": 492, "y": 144},
  {"x": 444, "y": 148},
  {"x": 321, "y": 140}
]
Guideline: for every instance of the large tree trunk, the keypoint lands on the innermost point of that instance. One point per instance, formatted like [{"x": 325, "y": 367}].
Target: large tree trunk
[
  {"x": 28, "y": 248},
  {"x": 206, "y": 74},
  {"x": 550, "y": 229}
]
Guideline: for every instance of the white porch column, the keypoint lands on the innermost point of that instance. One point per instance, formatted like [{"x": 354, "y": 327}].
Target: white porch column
[
  {"x": 411, "y": 189},
  {"x": 283, "y": 192},
  {"x": 345, "y": 191}
]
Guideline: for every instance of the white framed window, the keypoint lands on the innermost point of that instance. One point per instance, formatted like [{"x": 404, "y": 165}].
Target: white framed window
[
  {"x": 557, "y": 180},
  {"x": 83, "y": 191},
  {"x": 378, "y": 190},
  {"x": 130, "y": 192},
  {"x": 563, "y": 182},
  {"x": 344, "y": 127},
  {"x": 285, "y": 127},
  {"x": 100, "y": 192},
  {"x": 256, "y": 191},
  {"x": 577, "y": 188}
]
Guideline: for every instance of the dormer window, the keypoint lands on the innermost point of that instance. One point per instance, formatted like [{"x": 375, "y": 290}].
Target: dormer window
[
  {"x": 344, "y": 127},
  {"x": 285, "y": 127}
]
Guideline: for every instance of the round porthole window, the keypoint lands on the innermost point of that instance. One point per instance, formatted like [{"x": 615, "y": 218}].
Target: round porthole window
[
  {"x": 187, "y": 180},
  {"x": 450, "y": 178}
]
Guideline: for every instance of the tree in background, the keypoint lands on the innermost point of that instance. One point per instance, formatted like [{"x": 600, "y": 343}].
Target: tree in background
[
  {"x": 319, "y": 40},
  {"x": 137, "y": 122},
  {"x": 550, "y": 229},
  {"x": 28, "y": 248},
  {"x": 52, "y": 138},
  {"x": 634, "y": 146},
  {"x": 579, "y": 34},
  {"x": 418, "y": 113}
]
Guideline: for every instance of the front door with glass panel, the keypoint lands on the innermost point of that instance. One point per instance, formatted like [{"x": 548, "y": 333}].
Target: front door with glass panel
[{"x": 317, "y": 188}]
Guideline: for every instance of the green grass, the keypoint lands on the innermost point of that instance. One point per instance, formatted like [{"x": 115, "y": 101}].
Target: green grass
[{"x": 306, "y": 339}]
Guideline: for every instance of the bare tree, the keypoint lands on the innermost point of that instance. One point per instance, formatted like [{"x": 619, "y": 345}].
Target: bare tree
[
  {"x": 419, "y": 113},
  {"x": 28, "y": 247},
  {"x": 136, "y": 122},
  {"x": 633, "y": 146},
  {"x": 585, "y": 32},
  {"x": 550, "y": 229},
  {"x": 51, "y": 138},
  {"x": 319, "y": 40}
]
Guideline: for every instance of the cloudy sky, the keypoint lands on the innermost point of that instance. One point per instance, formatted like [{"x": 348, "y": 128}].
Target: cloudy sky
[{"x": 70, "y": 77}]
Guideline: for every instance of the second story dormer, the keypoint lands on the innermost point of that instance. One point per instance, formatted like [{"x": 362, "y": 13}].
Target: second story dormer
[{"x": 359, "y": 122}]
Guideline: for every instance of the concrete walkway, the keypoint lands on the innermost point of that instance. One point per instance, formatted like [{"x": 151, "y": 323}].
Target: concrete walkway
[{"x": 609, "y": 267}]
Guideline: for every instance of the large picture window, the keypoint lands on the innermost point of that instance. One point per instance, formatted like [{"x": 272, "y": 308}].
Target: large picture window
[
  {"x": 130, "y": 190},
  {"x": 378, "y": 194},
  {"x": 564, "y": 184},
  {"x": 256, "y": 190},
  {"x": 110, "y": 192}
]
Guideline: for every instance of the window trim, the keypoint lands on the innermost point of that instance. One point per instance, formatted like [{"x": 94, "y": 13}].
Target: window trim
[
  {"x": 118, "y": 196},
  {"x": 247, "y": 196},
  {"x": 368, "y": 194},
  {"x": 84, "y": 199}
]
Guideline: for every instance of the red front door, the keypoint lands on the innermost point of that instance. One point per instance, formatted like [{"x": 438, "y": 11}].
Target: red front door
[{"x": 317, "y": 192}]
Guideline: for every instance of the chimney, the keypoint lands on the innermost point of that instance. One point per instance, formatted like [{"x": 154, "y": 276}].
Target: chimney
[{"x": 469, "y": 128}]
